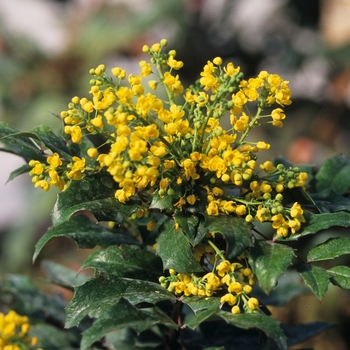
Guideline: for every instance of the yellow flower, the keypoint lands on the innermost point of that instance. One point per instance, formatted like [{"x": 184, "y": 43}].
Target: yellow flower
[{"x": 253, "y": 303}]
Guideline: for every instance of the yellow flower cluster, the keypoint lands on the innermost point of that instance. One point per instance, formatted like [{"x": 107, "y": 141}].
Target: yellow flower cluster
[
  {"x": 232, "y": 281},
  {"x": 14, "y": 332},
  {"x": 166, "y": 147}
]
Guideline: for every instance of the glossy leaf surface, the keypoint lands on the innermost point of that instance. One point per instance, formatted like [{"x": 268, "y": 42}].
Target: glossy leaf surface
[
  {"x": 85, "y": 233},
  {"x": 95, "y": 293},
  {"x": 175, "y": 250},
  {"x": 95, "y": 194},
  {"x": 121, "y": 315},
  {"x": 331, "y": 249},
  {"x": 125, "y": 261},
  {"x": 315, "y": 277},
  {"x": 340, "y": 276},
  {"x": 268, "y": 261}
]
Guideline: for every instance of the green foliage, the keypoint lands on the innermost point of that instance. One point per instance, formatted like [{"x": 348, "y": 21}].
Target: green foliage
[{"x": 130, "y": 300}]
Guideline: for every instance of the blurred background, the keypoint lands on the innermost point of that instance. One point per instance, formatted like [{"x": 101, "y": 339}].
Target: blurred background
[{"x": 48, "y": 46}]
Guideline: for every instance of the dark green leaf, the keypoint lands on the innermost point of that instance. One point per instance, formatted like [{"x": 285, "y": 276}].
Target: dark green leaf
[
  {"x": 268, "y": 261},
  {"x": 53, "y": 338},
  {"x": 9, "y": 135},
  {"x": 236, "y": 231},
  {"x": 331, "y": 249},
  {"x": 95, "y": 293},
  {"x": 200, "y": 317},
  {"x": 85, "y": 233},
  {"x": 188, "y": 224},
  {"x": 62, "y": 276},
  {"x": 265, "y": 323},
  {"x": 175, "y": 250},
  {"x": 93, "y": 193},
  {"x": 124, "y": 338},
  {"x": 315, "y": 277},
  {"x": 198, "y": 304},
  {"x": 122, "y": 315},
  {"x": 31, "y": 302},
  {"x": 125, "y": 261},
  {"x": 50, "y": 140},
  {"x": 161, "y": 203},
  {"x": 334, "y": 173},
  {"x": 340, "y": 276},
  {"x": 328, "y": 201},
  {"x": 318, "y": 222},
  {"x": 22, "y": 170}
]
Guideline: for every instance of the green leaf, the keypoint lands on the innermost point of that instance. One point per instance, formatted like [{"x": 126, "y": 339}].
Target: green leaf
[
  {"x": 236, "y": 231},
  {"x": 124, "y": 338},
  {"x": 265, "y": 323},
  {"x": 10, "y": 135},
  {"x": 331, "y": 249},
  {"x": 21, "y": 170},
  {"x": 161, "y": 203},
  {"x": 175, "y": 250},
  {"x": 188, "y": 224},
  {"x": 122, "y": 315},
  {"x": 269, "y": 260},
  {"x": 318, "y": 222},
  {"x": 334, "y": 173},
  {"x": 85, "y": 233},
  {"x": 340, "y": 276},
  {"x": 62, "y": 276},
  {"x": 198, "y": 304},
  {"x": 125, "y": 261},
  {"x": 200, "y": 317},
  {"x": 31, "y": 302},
  {"x": 50, "y": 140},
  {"x": 315, "y": 277},
  {"x": 97, "y": 292},
  {"x": 328, "y": 201},
  {"x": 93, "y": 193},
  {"x": 51, "y": 337}
]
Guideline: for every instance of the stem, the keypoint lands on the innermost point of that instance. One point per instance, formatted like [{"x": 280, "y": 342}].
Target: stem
[
  {"x": 167, "y": 89},
  {"x": 250, "y": 125},
  {"x": 179, "y": 306},
  {"x": 217, "y": 250}
]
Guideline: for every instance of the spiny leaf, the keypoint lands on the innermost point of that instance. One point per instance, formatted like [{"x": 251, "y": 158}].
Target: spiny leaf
[
  {"x": 125, "y": 261},
  {"x": 62, "y": 276},
  {"x": 175, "y": 250},
  {"x": 97, "y": 292},
  {"x": 315, "y": 277},
  {"x": 268, "y": 261},
  {"x": 85, "y": 233},
  {"x": 122, "y": 315},
  {"x": 331, "y": 249},
  {"x": 340, "y": 276},
  {"x": 236, "y": 231},
  {"x": 318, "y": 222},
  {"x": 265, "y": 323},
  {"x": 93, "y": 193}
]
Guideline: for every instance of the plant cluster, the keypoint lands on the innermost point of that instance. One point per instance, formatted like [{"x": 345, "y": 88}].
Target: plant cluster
[{"x": 175, "y": 185}]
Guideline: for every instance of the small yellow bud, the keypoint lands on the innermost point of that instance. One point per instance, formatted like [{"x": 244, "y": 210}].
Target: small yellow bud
[
  {"x": 145, "y": 48},
  {"x": 235, "y": 310},
  {"x": 164, "y": 42},
  {"x": 217, "y": 61},
  {"x": 75, "y": 99}
]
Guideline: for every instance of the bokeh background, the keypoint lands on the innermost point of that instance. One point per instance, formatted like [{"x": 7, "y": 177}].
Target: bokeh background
[{"x": 48, "y": 46}]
